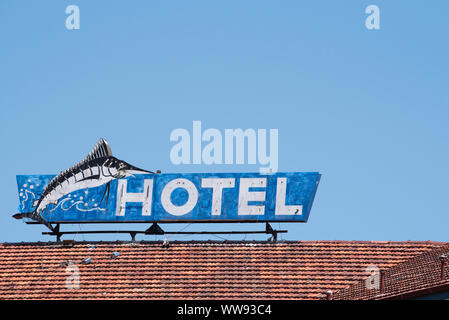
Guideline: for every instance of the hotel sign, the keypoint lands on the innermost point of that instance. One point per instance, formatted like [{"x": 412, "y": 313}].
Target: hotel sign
[
  {"x": 180, "y": 197},
  {"x": 102, "y": 188}
]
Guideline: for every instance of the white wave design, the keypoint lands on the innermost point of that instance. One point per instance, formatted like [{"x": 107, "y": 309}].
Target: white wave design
[
  {"x": 90, "y": 209},
  {"x": 76, "y": 205},
  {"x": 26, "y": 197}
]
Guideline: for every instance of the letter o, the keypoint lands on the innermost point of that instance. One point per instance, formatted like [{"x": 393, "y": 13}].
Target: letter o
[{"x": 186, "y": 207}]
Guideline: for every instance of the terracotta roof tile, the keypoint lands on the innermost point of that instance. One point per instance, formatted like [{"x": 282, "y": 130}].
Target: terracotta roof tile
[
  {"x": 201, "y": 270},
  {"x": 422, "y": 274}
]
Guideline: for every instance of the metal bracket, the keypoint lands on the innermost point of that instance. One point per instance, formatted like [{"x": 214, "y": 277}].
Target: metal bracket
[
  {"x": 270, "y": 230},
  {"x": 157, "y": 230},
  {"x": 154, "y": 229}
]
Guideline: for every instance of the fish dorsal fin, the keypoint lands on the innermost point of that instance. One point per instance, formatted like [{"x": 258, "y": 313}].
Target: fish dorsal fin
[{"x": 100, "y": 150}]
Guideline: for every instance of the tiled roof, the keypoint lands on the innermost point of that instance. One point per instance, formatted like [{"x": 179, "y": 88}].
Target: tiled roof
[
  {"x": 197, "y": 270},
  {"x": 424, "y": 274}
]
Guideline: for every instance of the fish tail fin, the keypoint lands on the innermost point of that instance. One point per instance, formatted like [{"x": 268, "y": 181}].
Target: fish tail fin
[
  {"x": 21, "y": 215},
  {"x": 33, "y": 215}
]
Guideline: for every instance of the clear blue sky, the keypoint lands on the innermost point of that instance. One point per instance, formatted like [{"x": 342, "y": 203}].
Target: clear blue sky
[{"x": 367, "y": 109}]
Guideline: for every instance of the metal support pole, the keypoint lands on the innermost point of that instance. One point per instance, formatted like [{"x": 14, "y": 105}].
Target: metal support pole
[
  {"x": 57, "y": 232},
  {"x": 270, "y": 230},
  {"x": 155, "y": 229}
]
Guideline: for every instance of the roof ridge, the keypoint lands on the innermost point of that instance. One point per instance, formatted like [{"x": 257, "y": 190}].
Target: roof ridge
[
  {"x": 120, "y": 242},
  {"x": 396, "y": 267}
]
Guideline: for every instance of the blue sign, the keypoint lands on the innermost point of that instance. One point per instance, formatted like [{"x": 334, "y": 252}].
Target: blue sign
[{"x": 139, "y": 196}]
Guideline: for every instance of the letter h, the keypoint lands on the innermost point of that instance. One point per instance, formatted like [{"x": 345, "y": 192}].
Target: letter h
[{"x": 145, "y": 197}]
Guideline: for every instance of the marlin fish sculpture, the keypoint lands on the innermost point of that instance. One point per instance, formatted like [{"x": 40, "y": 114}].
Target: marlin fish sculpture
[{"x": 98, "y": 168}]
